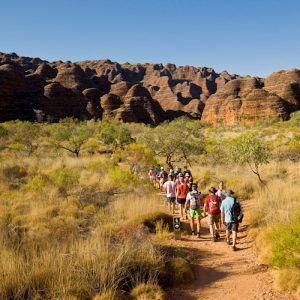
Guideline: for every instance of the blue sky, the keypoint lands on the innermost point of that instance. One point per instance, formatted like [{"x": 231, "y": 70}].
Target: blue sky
[{"x": 244, "y": 37}]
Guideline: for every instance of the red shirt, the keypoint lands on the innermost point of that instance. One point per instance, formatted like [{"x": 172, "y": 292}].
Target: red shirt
[
  {"x": 182, "y": 190},
  {"x": 213, "y": 204}
]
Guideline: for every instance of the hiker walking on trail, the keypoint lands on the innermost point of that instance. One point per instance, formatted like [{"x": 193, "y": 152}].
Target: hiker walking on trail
[
  {"x": 193, "y": 203},
  {"x": 186, "y": 171},
  {"x": 212, "y": 207},
  {"x": 181, "y": 194},
  {"x": 177, "y": 171},
  {"x": 231, "y": 215},
  {"x": 170, "y": 188},
  {"x": 221, "y": 191},
  {"x": 163, "y": 175},
  {"x": 152, "y": 175}
]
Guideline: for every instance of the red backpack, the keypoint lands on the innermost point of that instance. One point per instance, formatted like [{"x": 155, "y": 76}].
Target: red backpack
[{"x": 214, "y": 204}]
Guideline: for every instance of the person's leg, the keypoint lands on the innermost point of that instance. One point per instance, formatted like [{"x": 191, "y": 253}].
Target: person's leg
[
  {"x": 173, "y": 206},
  {"x": 198, "y": 226},
  {"x": 227, "y": 236},
  {"x": 181, "y": 210},
  {"x": 192, "y": 224},
  {"x": 218, "y": 228},
  {"x": 234, "y": 235}
]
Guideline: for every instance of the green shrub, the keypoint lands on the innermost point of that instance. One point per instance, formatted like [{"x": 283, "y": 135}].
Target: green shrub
[
  {"x": 64, "y": 177},
  {"x": 37, "y": 183},
  {"x": 285, "y": 242},
  {"x": 122, "y": 179},
  {"x": 147, "y": 291}
]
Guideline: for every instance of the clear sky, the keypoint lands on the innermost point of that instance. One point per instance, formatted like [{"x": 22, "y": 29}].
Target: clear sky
[{"x": 254, "y": 37}]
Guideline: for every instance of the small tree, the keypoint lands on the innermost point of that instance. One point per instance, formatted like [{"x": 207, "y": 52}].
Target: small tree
[
  {"x": 69, "y": 135},
  {"x": 114, "y": 135},
  {"x": 176, "y": 140},
  {"x": 250, "y": 150},
  {"x": 23, "y": 136}
]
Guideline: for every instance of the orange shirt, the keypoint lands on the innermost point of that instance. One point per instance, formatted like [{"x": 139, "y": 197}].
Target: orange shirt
[{"x": 182, "y": 190}]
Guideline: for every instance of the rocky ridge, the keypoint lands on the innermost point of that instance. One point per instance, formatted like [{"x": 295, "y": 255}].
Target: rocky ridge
[{"x": 37, "y": 90}]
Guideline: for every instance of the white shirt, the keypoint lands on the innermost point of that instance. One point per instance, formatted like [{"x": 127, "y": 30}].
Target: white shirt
[{"x": 170, "y": 187}]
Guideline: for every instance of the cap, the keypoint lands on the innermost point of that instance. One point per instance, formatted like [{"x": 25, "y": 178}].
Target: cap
[{"x": 213, "y": 190}]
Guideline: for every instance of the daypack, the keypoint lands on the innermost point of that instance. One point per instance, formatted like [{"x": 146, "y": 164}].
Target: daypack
[
  {"x": 236, "y": 212},
  {"x": 214, "y": 205},
  {"x": 193, "y": 201}
]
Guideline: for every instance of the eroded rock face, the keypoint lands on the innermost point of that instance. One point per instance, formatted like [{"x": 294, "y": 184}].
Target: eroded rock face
[
  {"x": 285, "y": 84},
  {"x": 148, "y": 93},
  {"x": 243, "y": 101},
  {"x": 61, "y": 102}
]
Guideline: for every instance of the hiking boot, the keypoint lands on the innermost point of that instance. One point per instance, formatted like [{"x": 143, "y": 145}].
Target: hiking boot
[
  {"x": 213, "y": 239},
  {"x": 198, "y": 235},
  {"x": 233, "y": 248},
  {"x": 193, "y": 233},
  {"x": 217, "y": 236},
  {"x": 228, "y": 242}
]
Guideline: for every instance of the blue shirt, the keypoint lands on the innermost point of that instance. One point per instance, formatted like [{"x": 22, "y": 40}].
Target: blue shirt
[{"x": 226, "y": 207}]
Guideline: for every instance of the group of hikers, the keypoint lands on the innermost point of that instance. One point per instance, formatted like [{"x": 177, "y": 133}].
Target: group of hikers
[{"x": 220, "y": 207}]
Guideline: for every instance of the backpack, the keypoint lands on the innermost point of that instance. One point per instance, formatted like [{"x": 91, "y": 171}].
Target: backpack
[
  {"x": 193, "y": 202},
  {"x": 236, "y": 212},
  {"x": 214, "y": 205}
]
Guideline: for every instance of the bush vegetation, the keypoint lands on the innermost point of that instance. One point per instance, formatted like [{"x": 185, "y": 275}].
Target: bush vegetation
[{"x": 72, "y": 211}]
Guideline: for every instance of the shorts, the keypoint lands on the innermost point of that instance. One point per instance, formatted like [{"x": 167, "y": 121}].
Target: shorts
[
  {"x": 152, "y": 178},
  {"x": 232, "y": 226},
  {"x": 181, "y": 200},
  {"x": 213, "y": 218},
  {"x": 194, "y": 213},
  {"x": 171, "y": 199}
]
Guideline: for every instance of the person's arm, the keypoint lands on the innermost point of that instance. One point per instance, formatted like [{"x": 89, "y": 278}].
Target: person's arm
[
  {"x": 205, "y": 207},
  {"x": 222, "y": 214},
  {"x": 187, "y": 202}
]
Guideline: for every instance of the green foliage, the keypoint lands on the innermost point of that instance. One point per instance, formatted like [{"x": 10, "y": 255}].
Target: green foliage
[
  {"x": 69, "y": 135},
  {"x": 248, "y": 149},
  {"x": 22, "y": 136},
  {"x": 176, "y": 140},
  {"x": 121, "y": 179},
  {"x": 37, "y": 183},
  {"x": 295, "y": 118},
  {"x": 64, "y": 177},
  {"x": 115, "y": 135},
  {"x": 138, "y": 153},
  {"x": 285, "y": 241}
]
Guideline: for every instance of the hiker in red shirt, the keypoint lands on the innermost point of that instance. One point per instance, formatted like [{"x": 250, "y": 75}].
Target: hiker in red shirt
[
  {"x": 181, "y": 193},
  {"x": 212, "y": 206}
]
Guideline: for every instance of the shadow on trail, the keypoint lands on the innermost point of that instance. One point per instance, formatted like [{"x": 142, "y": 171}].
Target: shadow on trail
[{"x": 204, "y": 276}]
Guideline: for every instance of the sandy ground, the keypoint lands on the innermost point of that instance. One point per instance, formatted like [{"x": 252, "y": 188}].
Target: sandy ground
[{"x": 224, "y": 274}]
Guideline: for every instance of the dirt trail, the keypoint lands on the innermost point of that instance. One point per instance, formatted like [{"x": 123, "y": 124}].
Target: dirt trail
[{"x": 224, "y": 274}]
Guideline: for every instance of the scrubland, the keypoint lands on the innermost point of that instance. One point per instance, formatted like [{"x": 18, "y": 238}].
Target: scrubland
[{"x": 77, "y": 223}]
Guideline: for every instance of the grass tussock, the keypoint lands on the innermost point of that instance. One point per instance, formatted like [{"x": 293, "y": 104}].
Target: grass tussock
[{"x": 148, "y": 291}]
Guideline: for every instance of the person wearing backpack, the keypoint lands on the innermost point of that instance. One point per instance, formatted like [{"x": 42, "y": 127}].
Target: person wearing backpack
[
  {"x": 212, "y": 206},
  {"x": 231, "y": 215},
  {"x": 182, "y": 190},
  {"x": 193, "y": 203}
]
